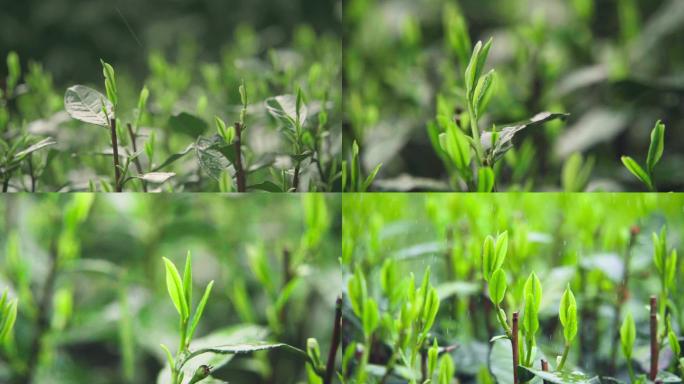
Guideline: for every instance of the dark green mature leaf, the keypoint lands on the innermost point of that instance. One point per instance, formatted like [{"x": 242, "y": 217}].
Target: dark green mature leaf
[
  {"x": 85, "y": 104},
  {"x": 266, "y": 186},
  {"x": 504, "y": 141},
  {"x": 211, "y": 159},
  {"x": 187, "y": 124},
  {"x": 564, "y": 377}
]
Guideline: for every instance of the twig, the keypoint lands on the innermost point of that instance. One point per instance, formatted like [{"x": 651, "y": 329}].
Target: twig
[
  {"x": 545, "y": 368},
  {"x": 136, "y": 161},
  {"x": 654, "y": 338},
  {"x": 295, "y": 178},
  {"x": 115, "y": 152},
  {"x": 31, "y": 174},
  {"x": 334, "y": 343},
  {"x": 239, "y": 171},
  {"x": 514, "y": 346}
]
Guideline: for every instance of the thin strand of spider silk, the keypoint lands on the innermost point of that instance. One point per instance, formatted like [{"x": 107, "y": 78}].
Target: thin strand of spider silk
[{"x": 128, "y": 26}]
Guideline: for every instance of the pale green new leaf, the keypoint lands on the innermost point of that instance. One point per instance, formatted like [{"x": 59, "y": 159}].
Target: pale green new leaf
[
  {"x": 655, "y": 150},
  {"x": 498, "y": 286},
  {"x": 200, "y": 310},
  {"x": 628, "y": 335},
  {"x": 637, "y": 171},
  {"x": 175, "y": 288}
]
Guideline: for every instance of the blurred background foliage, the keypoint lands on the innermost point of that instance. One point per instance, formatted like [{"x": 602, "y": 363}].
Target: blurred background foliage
[
  {"x": 88, "y": 272},
  {"x": 584, "y": 240},
  {"x": 615, "y": 66},
  {"x": 192, "y": 56},
  {"x": 69, "y": 36}
]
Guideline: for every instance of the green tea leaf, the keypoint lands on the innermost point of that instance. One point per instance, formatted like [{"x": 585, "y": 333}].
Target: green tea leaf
[
  {"x": 200, "y": 310},
  {"x": 637, "y": 171},
  {"x": 533, "y": 288},
  {"x": 187, "y": 279},
  {"x": 498, "y": 286},
  {"x": 175, "y": 288},
  {"x": 655, "y": 150},
  {"x": 187, "y": 124},
  {"x": 628, "y": 335},
  {"x": 370, "y": 316},
  {"x": 110, "y": 82},
  {"x": 85, "y": 104},
  {"x": 485, "y": 179},
  {"x": 483, "y": 92}
]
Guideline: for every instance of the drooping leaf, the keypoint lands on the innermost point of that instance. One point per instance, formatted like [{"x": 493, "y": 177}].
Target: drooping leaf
[
  {"x": 504, "y": 139},
  {"x": 86, "y": 104}
]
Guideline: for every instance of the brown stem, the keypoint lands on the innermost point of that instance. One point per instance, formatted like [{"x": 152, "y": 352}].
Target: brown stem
[
  {"x": 654, "y": 337},
  {"x": 545, "y": 368},
  {"x": 115, "y": 153},
  {"x": 334, "y": 343},
  {"x": 136, "y": 161},
  {"x": 239, "y": 171},
  {"x": 514, "y": 346},
  {"x": 31, "y": 172},
  {"x": 295, "y": 178}
]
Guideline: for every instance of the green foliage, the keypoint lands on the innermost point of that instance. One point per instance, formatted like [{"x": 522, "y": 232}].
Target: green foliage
[
  {"x": 567, "y": 314},
  {"x": 8, "y": 316},
  {"x": 655, "y": 152},
  {"x": 561, "y": 262}
]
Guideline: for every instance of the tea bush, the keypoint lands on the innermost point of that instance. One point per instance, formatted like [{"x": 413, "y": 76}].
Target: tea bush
[
  {"x": 441, "y": 111},
  {"x": 564, "y": 288},
  {"x": 174, "y": 131},
  {"x": 95, "y": 290}
]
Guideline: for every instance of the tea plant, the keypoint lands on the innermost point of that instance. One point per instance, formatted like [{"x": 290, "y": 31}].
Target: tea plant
[
  {"x": 285, "y": 103},
  {"x": 90, "y": 106},
  {"x": 655, "y": 152},
  {"x": 85, "y": 296},
  {"x": 558, "y": 295},
  {"x": 472, "y": 158},
  {"x": 19, "y": 148},
  {"x": 607, "y": 83},
  {"x": 494, "y": 255},
  {"x": 8, "y": 315}
]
